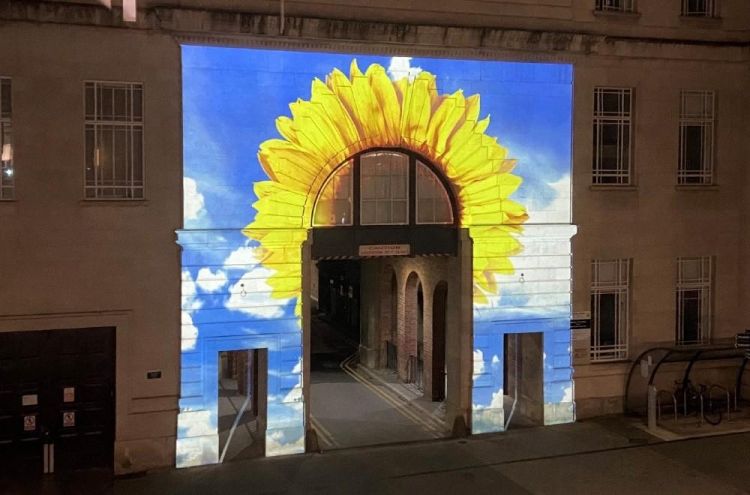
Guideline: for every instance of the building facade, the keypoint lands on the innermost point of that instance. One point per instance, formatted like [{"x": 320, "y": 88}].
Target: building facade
[{"x": 658, "y": 186}]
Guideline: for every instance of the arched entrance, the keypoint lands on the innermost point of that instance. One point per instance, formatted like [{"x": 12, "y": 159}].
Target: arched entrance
[{"x": 393, "y": 215}]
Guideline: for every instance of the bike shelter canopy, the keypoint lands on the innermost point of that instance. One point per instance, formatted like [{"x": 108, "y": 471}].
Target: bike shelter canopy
[{"x": 680, "y": 362}]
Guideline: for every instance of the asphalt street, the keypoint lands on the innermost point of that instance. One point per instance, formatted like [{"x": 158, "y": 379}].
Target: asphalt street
[{"x": 349, "y": 408}]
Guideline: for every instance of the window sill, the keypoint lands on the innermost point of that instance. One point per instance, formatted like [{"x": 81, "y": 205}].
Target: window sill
[
  {"x": 114, "y": 202},
  {"x": 8, "y": 201},
  {"x": 698, "y": 20},
  {"x": 620, "y": 15},
  {"x": 696, "y": 187},
  {"x": 612, "y": 187}
]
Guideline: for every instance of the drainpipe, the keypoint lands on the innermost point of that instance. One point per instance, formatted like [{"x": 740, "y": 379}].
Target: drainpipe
[{"x": 281, "y": 18}]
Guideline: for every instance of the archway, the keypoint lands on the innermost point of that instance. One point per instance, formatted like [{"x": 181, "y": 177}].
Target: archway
[{"x": 408, "y": 325}]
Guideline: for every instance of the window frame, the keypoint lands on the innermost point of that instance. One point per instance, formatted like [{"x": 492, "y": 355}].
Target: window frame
[
  {"x": 709, "y": 12},
  {"x": 704, "y": 285},
  {"x": 623, "y": 174},
  {"x": 620, "y": 288},
  {"x": 418, "y": 166},
  {"x": 412, "y": 197},
  {"x": 390, "y": 200},
  {"x": 626, "y": 6},
  {"x": 706, "y": 121},
  {"x": 7, "y": 190},
  {"x": 95, "y": 124}
]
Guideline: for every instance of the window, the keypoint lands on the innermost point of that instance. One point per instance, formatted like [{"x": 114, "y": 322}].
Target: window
[
  {"x": 610, "y": 290},
  {"x": 694, "y": 280},
  {"x": 334, "y": 204},
  {"x": 699, "y": 8},
  {"x": 384, "y": 177},
  {"x": 114, "y": 141},
  {"x": 433, "y": 204},
  {"x": 616, "y": 5},
  {"x": 696, "y": 137},
  {"x": 7, "y": 172},
  {"x": 383, "y": 187},
  {"x": 612, "y": 136}
]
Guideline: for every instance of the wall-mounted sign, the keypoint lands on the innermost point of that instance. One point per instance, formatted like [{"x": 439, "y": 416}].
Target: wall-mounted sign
[
  {"x": 68, "y": 419},
  {"x": 153, "y": 374},
  {"x": 29, "y": 400},
  {"x": 69, "y": 394},
  {"x": 385, "y": 250},
  {"x": 29, "y": 422},
  {"x": 580, "y": 325}
]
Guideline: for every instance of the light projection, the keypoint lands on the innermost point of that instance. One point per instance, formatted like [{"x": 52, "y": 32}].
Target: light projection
[{"x": 268, "y": 142}]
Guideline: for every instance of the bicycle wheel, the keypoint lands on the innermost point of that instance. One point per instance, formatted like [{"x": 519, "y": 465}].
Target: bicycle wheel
[{"x": 712, "y": 416}]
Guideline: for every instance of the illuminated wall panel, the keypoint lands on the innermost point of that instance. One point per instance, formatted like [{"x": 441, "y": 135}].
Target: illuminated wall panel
[{"x": 263, "y": 130}]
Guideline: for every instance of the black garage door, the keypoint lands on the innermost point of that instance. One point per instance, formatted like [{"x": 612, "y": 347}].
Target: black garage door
[{"x": 56, "y": 387}]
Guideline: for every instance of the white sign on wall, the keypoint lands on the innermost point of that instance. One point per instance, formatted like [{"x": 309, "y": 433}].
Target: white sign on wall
[
  {"x": 385, "y": 250},
  {"x": 580, "y": 325}
]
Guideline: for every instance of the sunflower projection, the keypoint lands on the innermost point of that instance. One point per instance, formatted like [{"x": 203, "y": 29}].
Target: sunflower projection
[
  {"x": 367, "y": 110},
  {"x": 269, "y": 141}
]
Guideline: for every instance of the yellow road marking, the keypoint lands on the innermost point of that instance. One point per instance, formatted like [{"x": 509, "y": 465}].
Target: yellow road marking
[{"x": 400, "y": 408}]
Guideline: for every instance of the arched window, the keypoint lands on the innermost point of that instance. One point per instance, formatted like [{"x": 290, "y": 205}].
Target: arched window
[
  {"x": 334, "y": 205},
  {"x": 383, "y": 187},
  {"x": 433, "y": 203}
]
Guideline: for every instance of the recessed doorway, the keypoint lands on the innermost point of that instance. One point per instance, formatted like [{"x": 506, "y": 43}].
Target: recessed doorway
[
  {"x": 242, "y": 404},
  {"x": 523, "y": 377}
]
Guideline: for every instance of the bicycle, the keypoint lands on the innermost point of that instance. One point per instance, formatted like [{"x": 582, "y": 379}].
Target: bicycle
[{"x": 693, "y": 400}]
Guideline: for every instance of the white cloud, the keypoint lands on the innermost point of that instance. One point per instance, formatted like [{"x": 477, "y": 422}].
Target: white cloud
[
  {"x": 558, "y": 211},
  {"x": 276, "y": 444},
  {"x": 209, "y": 281},
  {"x": 189, "y": 304},
  {"x": 400, "y": 67},
  {"x": 478, "y": 363},
  {"x": 567, "y": 394},
  {"x": 297, "y": 367},
  {"x": 192, "y": 199},
  {"x": 196, "y": 424},
  {"x": 189, "y": 301},
  {"x": 252, "y": 295},
  {"x": 189, "y": 332},
  {"x": 497, "y": 400},
  {"x": 241, "y": 258}
]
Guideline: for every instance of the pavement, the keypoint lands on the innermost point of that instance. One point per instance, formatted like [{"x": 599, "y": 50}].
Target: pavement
[
  {"x": 604, "y": 456},
  {"x": 608, "y": 455}
]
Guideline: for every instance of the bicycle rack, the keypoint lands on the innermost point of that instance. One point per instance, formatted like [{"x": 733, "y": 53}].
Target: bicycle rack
[
  {"x": 726, "y": 393},
  {"x": 658, "y": 403}
]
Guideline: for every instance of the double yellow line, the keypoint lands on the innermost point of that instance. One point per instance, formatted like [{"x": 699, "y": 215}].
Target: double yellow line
[
  {"x": 400, "y": 407},
  {"x": 324, "y": 434},
  {"x": 436, "y": 420}
]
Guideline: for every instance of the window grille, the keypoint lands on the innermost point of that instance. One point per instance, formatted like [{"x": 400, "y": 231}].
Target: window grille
[
  {"x": 613, "y": 111},
  {"x": 694, "y": 281},
  {"x": 616, "y": 5},
  {"x": 699, "y": 8},
  {"x": 114, "y": 141},
  {"x": 384, "y": 188},
  {"x": 610, "y": 309},
  {"x": 433, "y": 204},
  {"x": 7, "y": 170},
  {"x": 696, "y": 137}
]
